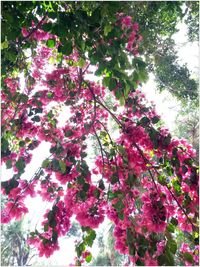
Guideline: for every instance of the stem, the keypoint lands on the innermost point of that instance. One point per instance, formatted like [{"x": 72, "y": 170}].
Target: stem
[
  {"x": 146, "y": 161},
  {"x": 100, "y": 145},
  {"x": 34, "y": 29},
  {"x": 193, "y": 226},
  {"x": 114, "y": 117}
]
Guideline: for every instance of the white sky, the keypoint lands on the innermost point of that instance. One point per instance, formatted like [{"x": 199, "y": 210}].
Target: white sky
[{"x": 166, "y": 106}]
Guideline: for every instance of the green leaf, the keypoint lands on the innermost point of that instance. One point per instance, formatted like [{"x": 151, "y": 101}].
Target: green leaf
[
  {"x": 132, "y": 250},
  {"x": 50, "y": 190},
  {"x": 69, "y": 133},
  {"x": 83, "y": 154},
  {"x": 121, "y": 216},
  {"x": 88, "y": 258},
  {"x": 51, "y": 43},
  {"x": 54, "y": 236},
  {"x": 51, "y": 219},
  {"x": 101, "y": 185},
  {"x": 20, "y": 164},
  {"x": 171, "y": 244},
  {"x": 155, "y": 120},
  {"x": 167, "y": 140},
  {"x": 122, "y": 101},
  {"x": 45, "y": 163},
  {"x": 143, "y": 76},
  {"x": 66, "y": 48},
  {"x": 22, "y": 143},
  {"x": 144, "y": 121},
  {"x": 81, "y": 63},
  {"x": 154, "y": 134},
  {"x": 140, "y": 263},
  {"x": 119, "y": 205},
  {"x": 4, "y": 45},
  {"x": 141, "y": 251},
  {"x": 188, "y": 257},
  {"x": 62, "y": 165},
  {"x": 107, "y": 29},
  {"x": 162, "y": 179},
  {"x": 9, "y": 164},
  {"x": 86, "y": 187},
  {"x": 171, "y": 228},
  {"x": 174, "y": 221},
  {"x": 89, "y": 239},
  {"x": 131, "y": 179},
  {"x": 112, "y": 195},
  {"x": 36, "y": 118},
  {"x": 106, "y": 81},
  {"x": 126, "y": 90},
  {"x": 82, "y": 195},
  {"x": 112, "y": 84},
  {"x": 114, "y": 178},
  {"x": 9, "y": 185},
  {"x": 80, "y": 249},
  {"x": 4, "y": 144},
  {"x": 96, "y": 193},
  {"x": 46, "y": 227},
  {"x": 55, "y": 165}
]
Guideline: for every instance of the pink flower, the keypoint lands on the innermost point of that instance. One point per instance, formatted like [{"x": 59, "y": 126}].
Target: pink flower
[
  {"x": 127, "y": 21},
  {"x": 135, "y": 26},
  {"x": 24, "y": 32}
]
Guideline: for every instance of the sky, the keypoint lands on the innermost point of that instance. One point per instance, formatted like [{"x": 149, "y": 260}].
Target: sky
[{"x": 166, "y": 106}]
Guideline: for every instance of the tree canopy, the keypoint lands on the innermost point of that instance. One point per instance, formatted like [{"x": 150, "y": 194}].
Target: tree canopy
[{"x": 144, "y": 180}]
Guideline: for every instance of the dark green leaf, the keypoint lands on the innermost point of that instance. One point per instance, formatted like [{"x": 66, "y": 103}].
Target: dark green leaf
[
  {"x": 112, "y": 84},
  {"x": 114, "y": 178},
  {"x": 140, "y": 263},
  {"x": 101, "y": 185},
  {"x": 80, "y": 249},
  {"x": 119, "y": 205},
  {"x": 171, "y": 244},
  {"x": 174, "y": 221},
  {"x": 96, "y": 193},
  {"x": 9, "y": 164},
  {"x": 188, "y": 257},
  {"x": 141, "y": 251},
  {"x": 121, "y": 216},
  {"x": 54, "y": 237},
  {"x": 155, "y": 120},
  {"x": 167, "y": 140},
  {"x": 86, "y": 187},
  {"x": 22, "y": 143},
  {"x": 46, "y": 227},
  {"x": 20, "y": 165},
  {"x": 55, "y": 165},
  {"x": 144, "y": 121},
  {"x": 171, "y": 228}
]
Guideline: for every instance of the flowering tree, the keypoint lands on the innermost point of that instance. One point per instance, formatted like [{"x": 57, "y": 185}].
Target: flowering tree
[{"x": 145, "y": 181}]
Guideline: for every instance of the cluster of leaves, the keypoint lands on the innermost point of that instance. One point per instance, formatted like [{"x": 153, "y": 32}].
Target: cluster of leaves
[{"x": 158, "y": 21}]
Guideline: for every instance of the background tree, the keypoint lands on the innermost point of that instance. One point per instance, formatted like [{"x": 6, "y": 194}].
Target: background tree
[
  {"x": 188, "y": 124},
  {"x": 14, "y": 249}
]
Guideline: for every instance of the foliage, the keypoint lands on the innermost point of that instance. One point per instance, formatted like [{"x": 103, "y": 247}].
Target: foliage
[
  {"x": 158, "y": 21},
  {"x": 145, "y": 181},
  {"x": 188, "y": 124},
  {"x": 166, "y": 61},
  {"x": 192, "y": 19},
  {"x": 14, "y": 248}
]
